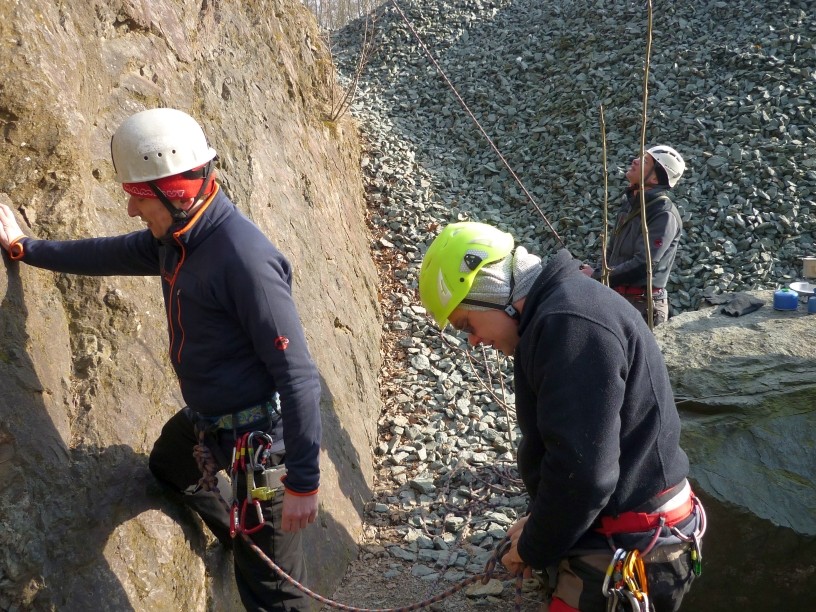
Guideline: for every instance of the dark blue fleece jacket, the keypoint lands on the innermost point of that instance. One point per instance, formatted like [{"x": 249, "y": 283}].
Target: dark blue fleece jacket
[
  {"x": 235, "y": 335},
  {"x": 600, "y": 428}
]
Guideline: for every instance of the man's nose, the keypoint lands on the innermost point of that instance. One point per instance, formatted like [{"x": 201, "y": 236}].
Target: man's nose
[{"x": 131, "y": 208}]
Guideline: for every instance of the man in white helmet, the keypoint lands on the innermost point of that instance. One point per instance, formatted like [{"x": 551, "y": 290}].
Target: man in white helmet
[
  {"x": 626, "y": 249},
  {"x": 236, "y": 343}
]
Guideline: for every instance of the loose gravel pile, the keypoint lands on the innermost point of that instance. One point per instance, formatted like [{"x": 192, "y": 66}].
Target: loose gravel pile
[{"x": 732, "y": 86}]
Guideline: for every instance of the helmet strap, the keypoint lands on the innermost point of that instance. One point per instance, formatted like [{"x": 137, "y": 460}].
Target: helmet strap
[
  {"x": 176, "y": 213},
  {"x": 508, "y": 309},
  {"x": 205, "y": 173}
]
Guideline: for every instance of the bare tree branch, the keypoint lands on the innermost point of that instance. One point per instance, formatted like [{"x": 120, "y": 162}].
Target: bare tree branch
[{"x": 644, "y": 227}]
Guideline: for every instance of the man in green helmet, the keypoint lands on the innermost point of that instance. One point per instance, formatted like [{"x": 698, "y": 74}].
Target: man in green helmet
[{"x": 599, "y": 454}]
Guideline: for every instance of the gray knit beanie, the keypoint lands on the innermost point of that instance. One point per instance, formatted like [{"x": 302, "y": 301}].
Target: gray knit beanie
[{"x": 492, "y": 282}]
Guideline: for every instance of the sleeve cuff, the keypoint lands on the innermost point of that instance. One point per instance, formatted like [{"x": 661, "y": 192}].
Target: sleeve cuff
[
  {"x": 299, "y": 494},
  {"x": 16, "y": 249}
]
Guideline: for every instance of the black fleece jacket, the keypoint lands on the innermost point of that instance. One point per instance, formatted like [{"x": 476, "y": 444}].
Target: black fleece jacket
[
  {"x": 235, "y": 335},
  {"x": 594, "y": 403}
]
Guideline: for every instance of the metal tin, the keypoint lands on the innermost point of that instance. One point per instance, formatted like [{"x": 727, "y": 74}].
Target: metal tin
[{"x": 809, "y": 267}]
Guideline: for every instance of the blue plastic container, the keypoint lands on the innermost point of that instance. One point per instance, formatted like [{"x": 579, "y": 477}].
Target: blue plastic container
[
  {"x": 812, "y": 304},
  {"x": 785, "y": 299}
]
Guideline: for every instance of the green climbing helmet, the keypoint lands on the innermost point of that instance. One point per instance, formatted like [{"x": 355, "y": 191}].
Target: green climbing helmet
[{"x": 452, "y": 261}]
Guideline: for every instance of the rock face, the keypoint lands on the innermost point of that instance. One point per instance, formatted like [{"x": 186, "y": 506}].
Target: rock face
[
  {"x": 84, "y": 382},
  {"x": 746, "y": 388}
]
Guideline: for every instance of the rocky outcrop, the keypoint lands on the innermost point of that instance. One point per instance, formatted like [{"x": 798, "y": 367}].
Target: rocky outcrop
[
  {"x": 84, "y": 383},
  {"x": 746, "y": 389}
]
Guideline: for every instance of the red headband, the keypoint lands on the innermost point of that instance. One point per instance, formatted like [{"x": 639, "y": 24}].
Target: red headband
[{"x": 175, "y": 187}]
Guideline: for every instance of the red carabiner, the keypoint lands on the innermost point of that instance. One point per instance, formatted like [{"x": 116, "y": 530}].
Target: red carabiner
[
  {"x": 261, "y": 524},
  {"x": 235, "y": 524}
]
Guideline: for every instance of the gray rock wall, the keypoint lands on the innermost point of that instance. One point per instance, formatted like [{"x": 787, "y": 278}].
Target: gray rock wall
[
  {"x": 746, "y": 390},
  {"x": 84, "y": 383}
]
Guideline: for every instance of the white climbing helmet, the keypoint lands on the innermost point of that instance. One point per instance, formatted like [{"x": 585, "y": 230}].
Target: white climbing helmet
[
  {"x": 670, "y": 160},
  {"x": 157, "y": 143}
]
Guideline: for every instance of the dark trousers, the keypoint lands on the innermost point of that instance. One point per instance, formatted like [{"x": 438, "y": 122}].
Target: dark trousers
[
  {"x": 260, "y": 588},
  {"x": 660, "y": 307},
  {"x": 668, "y": 574}
]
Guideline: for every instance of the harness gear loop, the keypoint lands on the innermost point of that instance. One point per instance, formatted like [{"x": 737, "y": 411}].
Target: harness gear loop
[{"x": 251, "y": 454}]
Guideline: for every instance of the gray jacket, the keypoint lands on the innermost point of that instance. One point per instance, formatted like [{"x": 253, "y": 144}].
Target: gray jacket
[{"x": 626, "y": 251}]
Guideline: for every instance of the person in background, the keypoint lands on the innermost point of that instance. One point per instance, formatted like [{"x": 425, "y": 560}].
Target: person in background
[
  {"x": 626, "y": 249},
  {"x": 599, "y": 454},
  {"x": 236, "y": 342}
]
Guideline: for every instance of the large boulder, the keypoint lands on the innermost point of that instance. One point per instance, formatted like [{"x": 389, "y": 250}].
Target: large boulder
[
  {"x": 746, "y": 389},
  {"x": 85, "y": 385}
]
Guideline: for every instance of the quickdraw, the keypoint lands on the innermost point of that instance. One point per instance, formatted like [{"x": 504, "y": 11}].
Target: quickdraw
[
  {"x": 625, "y": 582},
  {"x": 251, "y": 454}
]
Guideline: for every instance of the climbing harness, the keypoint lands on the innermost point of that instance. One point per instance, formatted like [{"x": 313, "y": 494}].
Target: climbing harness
[
  {"x": 252, "y": 416},
  {"x": 625, "y": 580},
  {"x": 252, "y": 455}
]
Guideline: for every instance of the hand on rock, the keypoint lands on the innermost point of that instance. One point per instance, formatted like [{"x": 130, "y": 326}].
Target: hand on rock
[{"x": 9, "y": 228}]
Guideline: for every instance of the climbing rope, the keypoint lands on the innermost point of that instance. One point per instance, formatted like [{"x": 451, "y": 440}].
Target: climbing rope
[
  {"x": 484, "y": 577},
  {"x": 209, "y": 482},
  {"x": 466, "y": 108},
  {"x": 207, "y": 466}
]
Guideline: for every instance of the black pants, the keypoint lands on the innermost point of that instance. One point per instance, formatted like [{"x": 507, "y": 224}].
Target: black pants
[
  {"x": 660, "y": 307},
  {"x": 261, "y": 589},
  {"x": 668, "y": 573}
]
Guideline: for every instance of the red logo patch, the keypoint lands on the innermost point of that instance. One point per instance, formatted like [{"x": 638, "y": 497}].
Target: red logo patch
[
  {"x": 658, "y": 242},
  {"x": 281, "y": 343}
]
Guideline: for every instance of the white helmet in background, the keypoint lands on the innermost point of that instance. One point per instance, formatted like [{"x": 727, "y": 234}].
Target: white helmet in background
[
  {"x": 670, "y": 160},
  {"x": 157, "y": 143}
]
